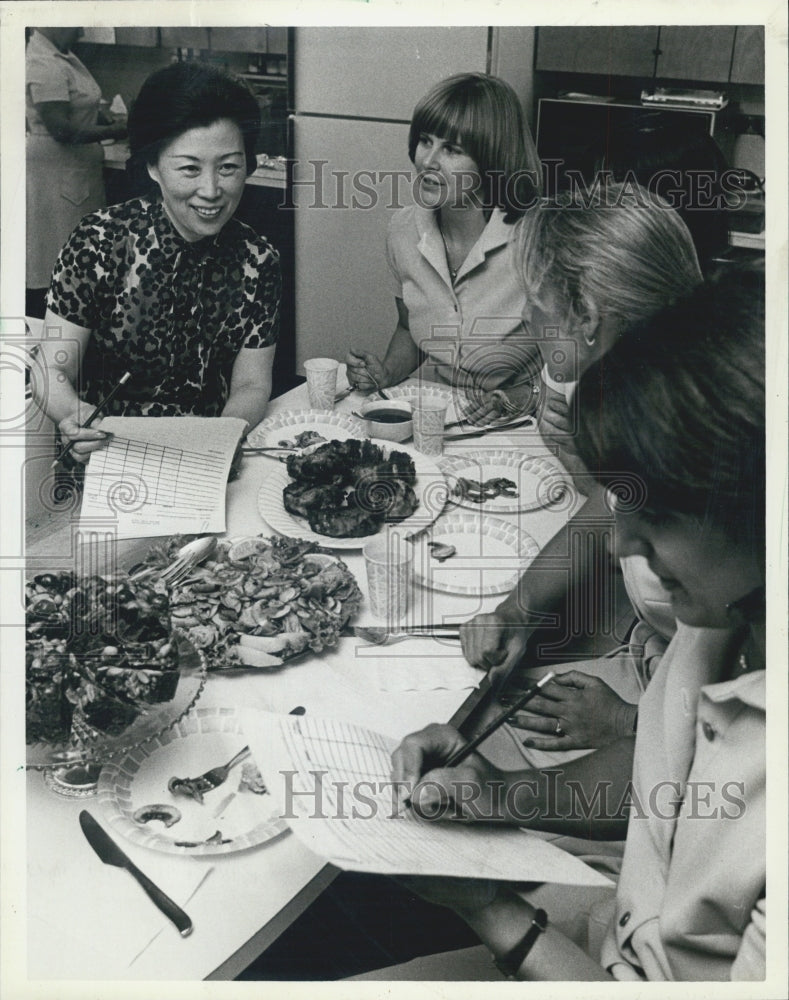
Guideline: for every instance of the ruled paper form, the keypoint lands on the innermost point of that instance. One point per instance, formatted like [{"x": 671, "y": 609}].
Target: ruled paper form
[
  {"x": 331, "y": 782},
  {"x": 161, "y": 475}
]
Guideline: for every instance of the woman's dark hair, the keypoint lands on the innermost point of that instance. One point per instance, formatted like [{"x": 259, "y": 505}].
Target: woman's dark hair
[
  {"x": 483, "y": 115},
  {"x": 181, "y": 97},
  {"x": 672, "y": 418}
]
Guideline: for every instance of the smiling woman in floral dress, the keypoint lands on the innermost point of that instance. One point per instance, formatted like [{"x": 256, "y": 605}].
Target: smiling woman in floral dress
[{"x": 170, "y": 287}]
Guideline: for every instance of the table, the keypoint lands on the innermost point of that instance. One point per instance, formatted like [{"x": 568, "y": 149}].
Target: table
[{"x": 250, "y": 897}]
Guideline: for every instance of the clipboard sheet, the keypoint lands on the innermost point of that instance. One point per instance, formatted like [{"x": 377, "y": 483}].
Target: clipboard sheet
[
  {"x": 161, "y": 475},
  {"x": 331, "y": 780}
]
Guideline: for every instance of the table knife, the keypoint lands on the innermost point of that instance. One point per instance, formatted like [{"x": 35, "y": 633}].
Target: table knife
[
  {"x": 492, "y": 429},
  {"x": 111, "y": 854}
]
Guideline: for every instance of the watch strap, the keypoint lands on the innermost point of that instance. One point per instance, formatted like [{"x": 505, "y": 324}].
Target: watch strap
[{"x": 510, "y": 963}]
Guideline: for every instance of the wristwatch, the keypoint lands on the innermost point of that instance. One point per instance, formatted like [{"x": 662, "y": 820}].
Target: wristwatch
[{"x": 509, "y": 964}]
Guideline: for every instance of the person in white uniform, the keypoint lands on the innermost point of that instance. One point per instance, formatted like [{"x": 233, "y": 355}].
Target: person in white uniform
[{"x": 64, "y": 158}]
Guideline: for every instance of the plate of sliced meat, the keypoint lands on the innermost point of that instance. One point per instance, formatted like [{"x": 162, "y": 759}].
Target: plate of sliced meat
[{"x": 344, "y": 492}]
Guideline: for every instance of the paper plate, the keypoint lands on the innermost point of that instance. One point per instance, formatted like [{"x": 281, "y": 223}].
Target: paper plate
[
  {"x": 458, "y": 401},
  {"x": 539, "y": 483},
  {"x": 430, "y": 489},
  {"x": 491, "y": 555},
  {"x": 207, "y": 738},
  {"x": 412, "y": 390},
  {"x": 285, "y": 426}
]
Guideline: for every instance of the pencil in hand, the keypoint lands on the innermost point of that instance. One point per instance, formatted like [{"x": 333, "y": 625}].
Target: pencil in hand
[
  {"x": 97, "y": 412},
  {"x": 460, "y": 755}
]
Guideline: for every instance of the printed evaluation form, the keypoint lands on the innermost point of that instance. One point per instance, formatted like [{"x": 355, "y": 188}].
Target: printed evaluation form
[
  {"x": 162, "y": 475},
  {"x": 331, "y": 781}
]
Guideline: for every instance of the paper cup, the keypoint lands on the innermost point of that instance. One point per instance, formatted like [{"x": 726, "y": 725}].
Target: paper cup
[
  {"x": 321, "y": 382},
  {"x": 389, "y": 559},
  {"x": 429, "y": 418}
]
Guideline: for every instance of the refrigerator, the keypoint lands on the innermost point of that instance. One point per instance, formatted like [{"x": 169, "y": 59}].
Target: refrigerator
[{"x": 353, "y": 92}]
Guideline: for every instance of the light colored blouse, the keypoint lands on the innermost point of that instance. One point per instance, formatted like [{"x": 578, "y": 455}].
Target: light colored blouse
[{"x": 474, "y": 324}]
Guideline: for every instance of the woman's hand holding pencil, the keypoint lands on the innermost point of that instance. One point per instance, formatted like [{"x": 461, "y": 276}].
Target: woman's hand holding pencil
[
  {"x": 78, "y": 440},
  {"x": 438, "y": 773},
  {"x": 77, "y": 432}
]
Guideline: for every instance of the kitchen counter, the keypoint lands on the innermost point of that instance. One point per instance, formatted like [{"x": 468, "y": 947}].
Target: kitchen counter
[{"x": 270, "y": 172}]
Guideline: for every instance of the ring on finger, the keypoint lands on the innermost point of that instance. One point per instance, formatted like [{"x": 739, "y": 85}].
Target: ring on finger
[{"x": 558, "y": 731}]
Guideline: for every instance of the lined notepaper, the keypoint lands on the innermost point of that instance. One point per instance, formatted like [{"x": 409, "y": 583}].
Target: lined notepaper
[{"x": 162, "y": 475}]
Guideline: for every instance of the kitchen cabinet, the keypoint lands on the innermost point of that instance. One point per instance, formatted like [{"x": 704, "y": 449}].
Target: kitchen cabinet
[
  {"x": 706, "y": 53},
  {"x": 277, "y": 40},
  {"x": 360, "y": 72},
  {"x": 355, "y": 90},
  {"x": 263, "y": 39},
  {"x": 695, "y": 53},
  {"x": 748, "y": 60},
  {"x": 146, "y": 37},
  {"x": 184, "y": 38},
  {"x": 239, "y": 39},
  {"x": 613, "y": 51}
]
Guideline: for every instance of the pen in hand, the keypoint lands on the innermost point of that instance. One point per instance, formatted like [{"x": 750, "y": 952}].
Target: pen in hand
[{"x": 97, "y": 412}]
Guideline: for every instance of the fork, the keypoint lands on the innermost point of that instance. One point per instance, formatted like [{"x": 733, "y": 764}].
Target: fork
[
  {"x": 379, "y": 636},
  {"x": 196, "y": 788},
  {"x": 189, "y": 557},
  {"x": 216, "y": 776},
  {"x": 377, "y": 385}
]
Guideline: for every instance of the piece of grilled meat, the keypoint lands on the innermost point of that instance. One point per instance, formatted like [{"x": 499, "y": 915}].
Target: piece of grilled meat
[
  {"x": 302, "y": 498},
  {"x": 335, "y": 458}
]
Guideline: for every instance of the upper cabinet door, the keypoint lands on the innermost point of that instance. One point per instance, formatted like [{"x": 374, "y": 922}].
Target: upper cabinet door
[
  {"x": 239, "y": 39},
  {"x": 695, "y": 52},
  {"x": 148, "y": 37},
  {"x": 603, "y": 50},
  {"x": 379, "y": 72},
  {"x": 277, "y": 40},
  {"x": 187, "y": 38},
  {"x": 748, "y": 62}
]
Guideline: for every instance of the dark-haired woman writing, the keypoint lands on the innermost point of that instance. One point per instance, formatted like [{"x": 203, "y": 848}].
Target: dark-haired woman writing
[
  {"x": 170, "y": 287},
  {"x": 684, "y": 414}
]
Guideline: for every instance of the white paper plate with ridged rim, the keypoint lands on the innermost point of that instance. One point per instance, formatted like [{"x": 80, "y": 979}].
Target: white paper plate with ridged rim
[
  {"x": 537, "y": 481},
  {"x": 206, "y": 738},
  {"x": 430, "y": 489},
  {"x": 412, "y": 390},
  {"x": 283, "y": 427},
  {"x": 458, "y": 403},
  {"x": 491, "y": 555}
]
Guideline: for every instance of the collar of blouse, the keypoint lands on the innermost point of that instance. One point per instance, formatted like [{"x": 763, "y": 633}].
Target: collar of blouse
[{"x": 178, "y": 249}]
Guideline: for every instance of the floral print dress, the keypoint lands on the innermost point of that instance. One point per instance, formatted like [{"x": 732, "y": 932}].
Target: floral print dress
[{"x": 172, "y": 313}]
